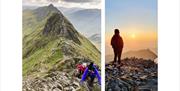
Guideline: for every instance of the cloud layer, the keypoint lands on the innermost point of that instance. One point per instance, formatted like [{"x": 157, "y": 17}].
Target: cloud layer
[
  {"x": 65, "y": 3},
  {"x": 78, "y": 1}
]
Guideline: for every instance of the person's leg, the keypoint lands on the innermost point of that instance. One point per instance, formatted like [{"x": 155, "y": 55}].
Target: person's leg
[
  {"x": 92, "y": 79},
  {"x": 115, "y": 56},
  {"x": 119, "y": 56}
]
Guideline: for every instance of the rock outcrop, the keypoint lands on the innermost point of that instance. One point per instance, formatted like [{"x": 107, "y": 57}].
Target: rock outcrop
[
  {"x": 60, "y": 78},
  {"x": 134, "y": 75},
  {"x": 58, "y": 25},
  {"x": 55, "y": 81}
]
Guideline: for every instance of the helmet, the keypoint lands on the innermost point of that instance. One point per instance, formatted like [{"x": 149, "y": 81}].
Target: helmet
[{"x": 84, "y": 64}]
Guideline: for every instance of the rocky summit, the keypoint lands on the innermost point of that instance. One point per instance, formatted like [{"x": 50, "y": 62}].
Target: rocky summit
[
  {"x": 55, "y": 81},
  {"x": 60, "y": 78},
  {"x": 133, "y": 75}
]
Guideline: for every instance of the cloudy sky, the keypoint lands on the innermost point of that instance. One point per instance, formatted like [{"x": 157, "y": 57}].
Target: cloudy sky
[{"x": 65, "y": 3}]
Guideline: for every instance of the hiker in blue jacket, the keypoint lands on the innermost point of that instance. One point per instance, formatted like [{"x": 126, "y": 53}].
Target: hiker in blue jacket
[{"x": 91, "y": 71}]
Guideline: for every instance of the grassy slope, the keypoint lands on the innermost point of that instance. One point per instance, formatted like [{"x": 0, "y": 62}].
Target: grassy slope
[{"x": 41, "y": 53}]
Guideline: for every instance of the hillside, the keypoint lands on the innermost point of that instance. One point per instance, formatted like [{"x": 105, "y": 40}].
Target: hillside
[
  {"x": 143, "y": 53},
  {"x": 96, "y": 40},
  {"x": 87, "y": 21},
  {"x": 52, "y": 44}
]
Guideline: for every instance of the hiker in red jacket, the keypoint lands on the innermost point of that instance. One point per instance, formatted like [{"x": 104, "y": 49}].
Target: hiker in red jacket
[
  {"x": 117, "y": 45},
  {"x": 80, "y": 69}
]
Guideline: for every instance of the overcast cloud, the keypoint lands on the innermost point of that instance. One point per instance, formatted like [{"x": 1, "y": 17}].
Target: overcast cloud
[
  {"x": 65, "y": 3},
  {"x": 78, "y": 1}
]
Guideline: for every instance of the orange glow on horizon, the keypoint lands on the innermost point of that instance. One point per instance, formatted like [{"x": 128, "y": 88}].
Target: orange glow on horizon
[{"x": 134, "y": 40}]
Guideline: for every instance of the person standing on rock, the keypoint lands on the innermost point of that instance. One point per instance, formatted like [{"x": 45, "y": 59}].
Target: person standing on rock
[{"x": 117, "y": 45}]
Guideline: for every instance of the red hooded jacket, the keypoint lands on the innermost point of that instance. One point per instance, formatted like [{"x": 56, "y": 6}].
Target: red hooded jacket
[{"x": 117, "y": 42}]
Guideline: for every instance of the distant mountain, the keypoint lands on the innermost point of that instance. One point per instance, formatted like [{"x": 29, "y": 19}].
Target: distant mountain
[
  {"x": 87, "y": 12},
  {"x": 67, "y": 11},
  {"x": 64, "y": 10},
  {"x": 29, "y": 7},
  {"x": 96, "y": 39},
  {"x": 87, "y": 21},
  {"x": 144, "y": 53}
]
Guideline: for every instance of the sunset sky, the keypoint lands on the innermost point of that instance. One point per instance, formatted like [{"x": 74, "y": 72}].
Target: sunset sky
[{"x": 136, "y": 20}]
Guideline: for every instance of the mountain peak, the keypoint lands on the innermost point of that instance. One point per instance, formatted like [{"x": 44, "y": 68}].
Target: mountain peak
[
  {"x": 58, "y": 25},
  {"x": 43, "y": 12},
  {"x": 50, "y": 5}
]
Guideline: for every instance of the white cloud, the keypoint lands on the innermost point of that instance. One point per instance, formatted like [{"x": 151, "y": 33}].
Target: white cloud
[
  {"x": 65, "y": 3},
  {"x": 79, "y": 1}
]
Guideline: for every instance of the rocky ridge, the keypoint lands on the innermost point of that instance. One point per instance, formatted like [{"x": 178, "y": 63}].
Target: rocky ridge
[
  {"x": 51, "y": 49},
  {"x": 55, "y": 81},
  {"x": 60, "y": 78}
]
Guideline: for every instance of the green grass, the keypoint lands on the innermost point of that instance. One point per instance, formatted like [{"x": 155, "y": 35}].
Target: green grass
[
  {"x": 43, "y": 52},
  {"x": 91, "y": 51},
  {"x": 42, "y": 57}
]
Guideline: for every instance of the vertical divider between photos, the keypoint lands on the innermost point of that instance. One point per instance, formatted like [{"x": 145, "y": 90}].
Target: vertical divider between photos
[{"x": 103, "y": 45}]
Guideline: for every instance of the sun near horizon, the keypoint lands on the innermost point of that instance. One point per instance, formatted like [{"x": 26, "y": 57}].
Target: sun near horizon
[
  {"x": 133, "y": 40},
  {"x": 137, "y": 22},
  {"x": 133, "y": 36}
]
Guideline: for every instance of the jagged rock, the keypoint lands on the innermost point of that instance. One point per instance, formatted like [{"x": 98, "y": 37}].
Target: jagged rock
[
  {"x": 134, "y": 75},
  {"x": 43, "y": 12},
  {"x": 57, "y": 80},
  {"x": 58, "y": 25}
]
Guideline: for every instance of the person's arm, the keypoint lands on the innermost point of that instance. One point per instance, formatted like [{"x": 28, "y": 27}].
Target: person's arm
[
  {"x": 98, "y": 76},
  {"x": 112, "y": 41},
  {"x": 84, "y": 75},
  {"x": 122, "y": 42}
]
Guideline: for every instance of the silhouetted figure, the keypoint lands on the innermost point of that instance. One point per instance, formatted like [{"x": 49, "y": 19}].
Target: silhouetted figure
[{"x": 117, "y": 45}]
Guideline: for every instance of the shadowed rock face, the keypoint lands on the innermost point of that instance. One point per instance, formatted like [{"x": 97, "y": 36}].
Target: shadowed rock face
[
  {"x": 43, "y": 12},
  {"x": 58, "y": 25},
  {"x": 134, "y": 75}
]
